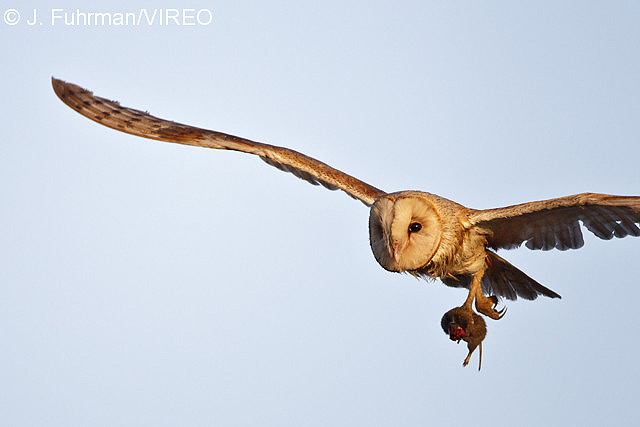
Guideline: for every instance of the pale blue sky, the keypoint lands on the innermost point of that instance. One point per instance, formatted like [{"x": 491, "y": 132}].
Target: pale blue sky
[{"x": 145, "y": 283}]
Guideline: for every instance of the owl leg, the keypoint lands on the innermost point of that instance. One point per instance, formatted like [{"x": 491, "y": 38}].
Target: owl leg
[
  {"x": 474, "y": 290},
  {"x": 484, "y": 305}
]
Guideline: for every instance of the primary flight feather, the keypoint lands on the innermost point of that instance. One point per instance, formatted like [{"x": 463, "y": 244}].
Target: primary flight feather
[{"x": 412, "y": 231}]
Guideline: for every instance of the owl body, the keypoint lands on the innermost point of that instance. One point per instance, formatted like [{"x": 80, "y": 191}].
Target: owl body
[{"x": 411, "y": 231}]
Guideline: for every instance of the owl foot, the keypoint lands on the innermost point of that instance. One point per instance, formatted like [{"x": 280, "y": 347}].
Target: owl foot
[{"x": 486, "y": 305}]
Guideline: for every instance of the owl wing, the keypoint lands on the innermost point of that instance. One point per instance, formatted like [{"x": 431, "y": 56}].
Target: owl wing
[
  {"x": 554, "y": 223},
  {"x": 140, "y": 123},
  {"x": 503, "y": 279}
]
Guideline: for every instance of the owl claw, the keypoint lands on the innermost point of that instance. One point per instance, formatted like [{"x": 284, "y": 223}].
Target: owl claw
[
  {"x": 495, "y": 315},
  {"x": 502, "y": 312},
  {"x": 486, "y": 306}
]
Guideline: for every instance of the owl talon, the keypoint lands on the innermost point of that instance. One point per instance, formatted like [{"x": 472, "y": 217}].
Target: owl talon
[
  {"x": 486, "y": 305},
  {"x": 493, "y": 313}
]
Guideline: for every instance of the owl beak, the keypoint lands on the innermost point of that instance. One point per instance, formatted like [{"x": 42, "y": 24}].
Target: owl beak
[{"x": 398, "y": 249}]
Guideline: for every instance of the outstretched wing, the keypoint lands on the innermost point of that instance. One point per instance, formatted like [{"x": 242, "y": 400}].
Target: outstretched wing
[
  {"x": 554, "y": 223},
  {"x": 140, "y": 123}
]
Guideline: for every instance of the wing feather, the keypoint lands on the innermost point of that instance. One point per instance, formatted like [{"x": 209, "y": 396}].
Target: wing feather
[
  {"x": 141, "y": 123},
  {"x": 503, "y": 279},
  {"x": 555, "y": 223}
]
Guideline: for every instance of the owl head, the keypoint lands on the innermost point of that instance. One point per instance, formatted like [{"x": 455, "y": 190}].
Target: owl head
[{"x": 405, "y": 231}]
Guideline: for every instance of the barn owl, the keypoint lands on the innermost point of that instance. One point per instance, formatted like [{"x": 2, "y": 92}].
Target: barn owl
[{"x": 416, "y": 232}]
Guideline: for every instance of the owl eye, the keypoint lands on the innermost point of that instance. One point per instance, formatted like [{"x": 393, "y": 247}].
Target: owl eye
[{"x": 414, "y": 227}]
